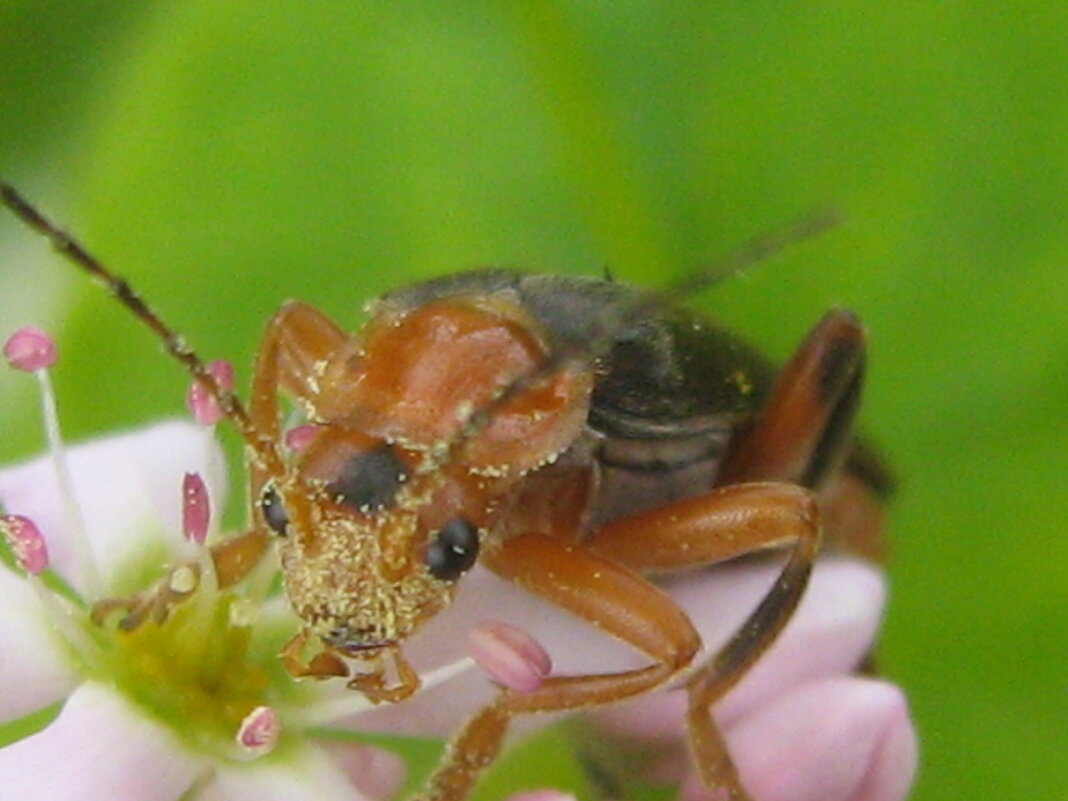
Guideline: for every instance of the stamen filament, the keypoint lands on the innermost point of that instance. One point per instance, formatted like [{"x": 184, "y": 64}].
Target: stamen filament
[
  {"x": 328, "y": 711},
  {"x": 61, "y": 616},
  {"x": 88, "y": 573}
]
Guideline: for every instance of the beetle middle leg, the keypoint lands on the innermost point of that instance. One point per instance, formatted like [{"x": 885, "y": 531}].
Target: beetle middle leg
[
  {"x": 726, "y": 523},
  {"x": 616, "y": 600},
  {"x": 591, "y": 583}
]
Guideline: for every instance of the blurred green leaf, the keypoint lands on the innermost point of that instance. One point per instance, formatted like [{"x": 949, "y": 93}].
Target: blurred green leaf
[{"x": 225, "y": 160}]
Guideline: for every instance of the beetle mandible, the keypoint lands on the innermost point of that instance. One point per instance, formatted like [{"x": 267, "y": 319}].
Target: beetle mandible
[{"x": 574, "y": 435}]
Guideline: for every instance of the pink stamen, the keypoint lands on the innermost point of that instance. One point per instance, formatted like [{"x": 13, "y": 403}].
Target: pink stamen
[
  {"x": 26, "y": 542},
  {"x": 297, "y": 439},
  {"x": 259, "y": 731},
  {"x": 30, "y": 349},
  {"x": 509, "y": 655},
  {"x": 196, "y": 508},
  {"x": 201, "y": 403}
]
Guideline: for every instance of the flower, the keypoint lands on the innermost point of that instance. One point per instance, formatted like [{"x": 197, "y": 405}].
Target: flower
[
  {"x": 139, "y": 719},
  {"x": 199, "y": 707}
]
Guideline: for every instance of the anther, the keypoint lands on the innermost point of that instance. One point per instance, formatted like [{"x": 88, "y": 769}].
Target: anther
[
  {"x": 201, "y": 403},
  {"x": 30, "y": 349},
  {"x": 196, "y": 508},
  {"x": 243, "y": 613},
  {"x": 298, "y": 438},
  {"x": 26, "y": 542},
  {"x": 182, "y": 580},
  {"x": 259, "y": 731},
  {"x": 33, "y": 350},
  {"x": 509, "y": 655}
]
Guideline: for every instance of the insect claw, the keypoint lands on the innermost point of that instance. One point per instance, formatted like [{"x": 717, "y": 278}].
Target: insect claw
[{"x": 327, "y": 665}]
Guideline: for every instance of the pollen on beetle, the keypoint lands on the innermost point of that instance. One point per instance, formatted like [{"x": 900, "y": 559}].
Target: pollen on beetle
[{"x": 30, "y": 349}]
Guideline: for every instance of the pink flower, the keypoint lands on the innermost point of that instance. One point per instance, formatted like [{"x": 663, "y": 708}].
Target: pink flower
[
  {"x": 137, "y": 722},
  {"x": 143, "y": 714}
]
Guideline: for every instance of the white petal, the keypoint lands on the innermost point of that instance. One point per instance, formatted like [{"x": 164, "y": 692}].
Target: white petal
[
  {"x": 307, "y": 773},
  {"x": 100, "y": 748},
  {"x": 128, "y": 488},
  {"x": 36, "y": 669}
]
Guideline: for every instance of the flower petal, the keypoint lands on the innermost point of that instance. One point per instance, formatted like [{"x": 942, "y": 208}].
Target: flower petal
[
  {"x": 833, "y": 630},
  {"x": 35, "y": 669},
  {"x": 843, "y": 739},
  {"x": 375, "y": 772},
  {"x": 99, "y": 748},
  {"x": 305, "y": 772},
  {"x": 128, "y": 488},
  {"x": 829, "y": 634}
]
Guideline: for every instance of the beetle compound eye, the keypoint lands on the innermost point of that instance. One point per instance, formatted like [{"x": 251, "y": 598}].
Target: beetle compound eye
[
  {"x": 453, "y": 550},
  {"x": 274, "y": 512},
  {"x": 369, "y": 480}
]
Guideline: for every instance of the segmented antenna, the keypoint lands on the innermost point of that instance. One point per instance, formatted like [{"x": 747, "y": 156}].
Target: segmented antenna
[
  {"x": 117, "y": 287},
  {"x": 600, "y": 339}
]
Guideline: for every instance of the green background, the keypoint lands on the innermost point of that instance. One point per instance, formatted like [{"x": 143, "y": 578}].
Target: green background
[{"x": 227, "y": 155}]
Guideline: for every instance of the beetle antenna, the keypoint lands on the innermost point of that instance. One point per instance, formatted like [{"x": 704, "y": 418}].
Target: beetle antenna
[
  {"x": 118, "y": 288},
  {"x": 760, "y": 248}
]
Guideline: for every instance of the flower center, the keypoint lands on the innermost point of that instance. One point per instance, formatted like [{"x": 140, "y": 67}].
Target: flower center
[{"x": 195, "y": 671}]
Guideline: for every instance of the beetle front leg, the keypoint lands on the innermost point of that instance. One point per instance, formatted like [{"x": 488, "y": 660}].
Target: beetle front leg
[
  {"x": 323, "y": 665},
  {"x": 613, "y": 598},
  {"x": 299, "y": 339},
  {"x": 232, "y": 559}
]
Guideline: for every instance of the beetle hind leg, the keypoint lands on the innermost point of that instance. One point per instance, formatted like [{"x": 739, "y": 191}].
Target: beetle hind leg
[
  {"x": 803, "y": 432},
  {"x": 715, "y": 678}
]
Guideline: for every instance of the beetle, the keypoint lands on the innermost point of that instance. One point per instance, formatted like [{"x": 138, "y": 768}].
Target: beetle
[{"x": 575, "y": 435}]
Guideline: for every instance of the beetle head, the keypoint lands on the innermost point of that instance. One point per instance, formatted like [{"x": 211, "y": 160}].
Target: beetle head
[{"x": 388, "y": 506}]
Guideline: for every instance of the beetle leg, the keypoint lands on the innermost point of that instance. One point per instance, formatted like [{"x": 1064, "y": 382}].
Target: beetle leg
[
  {"x": 718, "y": 675},
  {"x": 297, "y": 337},
  {"x": 722, "y": 524},
  {"x": 233, "y": 559},
  {"x": 613, "y": 598},
  {"x": 726, "y": 523},
  {"x": 802, "y": 433},
  {"x": 323, "y": 665},
  {"x": 378, "y": 687},
  {"x": 298, "y": 341}
]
